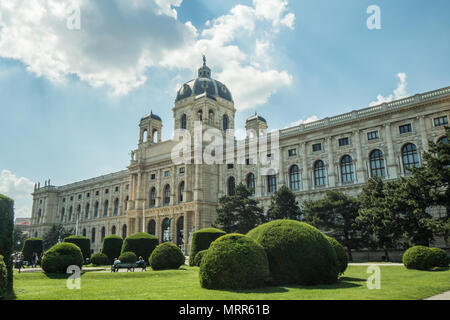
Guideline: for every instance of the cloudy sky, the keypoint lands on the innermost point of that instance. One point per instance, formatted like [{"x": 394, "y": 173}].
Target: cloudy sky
[{"x": 77, "y": 76}]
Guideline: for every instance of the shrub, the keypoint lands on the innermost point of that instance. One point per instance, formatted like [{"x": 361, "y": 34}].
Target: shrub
[
  {"x": 6, "y": 236},
  {"x": 418, "y": 257},
  {"x": 142, "y": 244},
  {"x": 167, "y": 256},
  {"x": 199, "y": 257},
  {"x": 59, "y": 257},
  {"x": 234, "y": 261},
  {"x": 128, "y": 257},
  {"x": 201, "y": 240},
  {"x": 3, "y": 278},
  {"x": 340, "y": 253},
  {"x": 298, "y": 253},
  {"x": 81, "y": 242},
  {"x": 100, "y": 259},
  {"x": 31, "y": 246},
  {"x": 439, "y": 258},
  {"x": 112, "y": 247}
]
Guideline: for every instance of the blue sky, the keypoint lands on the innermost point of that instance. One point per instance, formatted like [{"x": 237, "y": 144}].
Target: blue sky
[{"x": 71, "y": 100}]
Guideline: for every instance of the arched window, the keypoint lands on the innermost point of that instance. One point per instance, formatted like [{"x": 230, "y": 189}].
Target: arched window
[
  {"x": 93, "y": 235},
  {"x": 225, "y": 122},
  {"x": 153, "y": 198},
  {"x": 116, "y": 207},
  {"x": 347, "y": 174},
  {"x": 145, "y": 136},
  {"x": 294, "y": 178},
  {"x": 113, "y": 230},
  {"x": 184, "y": 122},
  {"x": 167, "y": 195},
  {"x": 151, "y": 228},
  {"x": 180, "y": 232},
  {"x": 124, "y": 231},
  {"x": 231, "y": 186},
  {"x": 86, "y": 214},
  {"x": 165, "y": 228},
  {"x": 63, "y": 213},
  {"x": 320, "y": 175},
  {"x": 126, "y": 203},
  {"x": 103, "y": 233},
  {"x": 272, "y": 183},
  {"x": 105, "y": 209},
  {"x": 251, "y": 183},
  {"x": 78, "y": 211},
  {"x": 200, "y": 115},
  {"x": 155, "y": 136},
  {"x": 70, "y": 213},
  {"x": 84, "y": 232},
  {"x": 211, "y": 117},
  {"x": 444, "y": 139},
  {"x": 96, "y": 209},
  {"x": 377, "y": 168},
  {"x": 410, "y": 157},
  {"x": 181, "y": 192},
  {"x": 39, "y": 216}
]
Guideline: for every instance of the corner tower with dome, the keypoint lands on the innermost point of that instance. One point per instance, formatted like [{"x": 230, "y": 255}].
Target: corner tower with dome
[{"x": 172, "y": 201}]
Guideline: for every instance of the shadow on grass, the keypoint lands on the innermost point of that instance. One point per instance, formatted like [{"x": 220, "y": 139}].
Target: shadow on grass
[
  {"x": 352, "y": 279},
  {"x": 61, "y": 276}
]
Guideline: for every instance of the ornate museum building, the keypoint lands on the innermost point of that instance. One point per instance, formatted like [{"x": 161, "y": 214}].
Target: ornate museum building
[{"x": 172, "y": 201}]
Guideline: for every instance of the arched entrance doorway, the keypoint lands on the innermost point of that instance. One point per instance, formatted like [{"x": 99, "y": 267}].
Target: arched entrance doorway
[
  {"x": 151, "y": 228},
  {"x": 165, "y": 230},
  {"x": 180, "y": 232}
]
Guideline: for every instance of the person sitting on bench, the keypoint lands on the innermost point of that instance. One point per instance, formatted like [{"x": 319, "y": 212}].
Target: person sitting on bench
[{"x": 141, "y": 263}]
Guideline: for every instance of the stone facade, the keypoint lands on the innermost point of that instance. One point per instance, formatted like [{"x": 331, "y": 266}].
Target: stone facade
[{"x": 172, "y": 201}]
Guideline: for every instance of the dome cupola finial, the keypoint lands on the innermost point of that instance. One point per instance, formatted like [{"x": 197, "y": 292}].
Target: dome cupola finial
[{"x": 204, "y": 71}]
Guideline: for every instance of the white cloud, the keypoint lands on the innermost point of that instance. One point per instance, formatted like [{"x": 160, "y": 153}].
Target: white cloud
[
  {"x": 303, "y": 121},
  {"x": 399, "y": 93},
  {"x": 119, "y": 41},
  {"x": 18, "y": 189}
]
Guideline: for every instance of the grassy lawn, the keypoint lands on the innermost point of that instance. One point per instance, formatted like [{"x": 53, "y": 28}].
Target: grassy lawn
[{"x": 396, "y": 283}]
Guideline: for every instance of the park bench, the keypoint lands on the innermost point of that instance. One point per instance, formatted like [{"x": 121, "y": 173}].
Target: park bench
[{"x": 129, "y": 266}]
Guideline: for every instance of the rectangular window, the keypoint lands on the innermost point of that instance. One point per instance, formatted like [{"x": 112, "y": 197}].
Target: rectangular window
[
  {"x": 317, "y": 147},
  {"x": 64, "y": 200},
  {"x": 405, "y": 129},
  {"x": 372, "y": 135},
  {"x": 79, "y": 197},
  {"x": 248, "y": 162},
  {"x": 272, "y": 184},
  {"x": 153, "y": 176},
  {"x": 97, "y": 193},
  {"x": 441, "y": 121},
  {"x": 344, "y": 142},
  {"x": 231, "y": 166},
  {"x": 117, "y": 189},
  {"x": 88, "y": 195},
  {"x": 107, "y": 191},
  {"x": 292, "y": 152},
  {"x": 166, "y": 174},
  {"x": 182, "y": 170},
  {"x": 71, "y": 198}
]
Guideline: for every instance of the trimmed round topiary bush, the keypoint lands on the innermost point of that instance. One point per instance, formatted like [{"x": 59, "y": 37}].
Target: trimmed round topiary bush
[
  {"x": 81, "y": 242},
  {"x": 167, "y": 256},
  {"x": 418, "y": 257},
  {"x": 59, "y": 257},
  {"x": 340, "y": 253},
  {"x": 201, "y": 240},
  {"x": 100, "y": 259},
  {"x": 3, "y": 278},
  {"x": 31, "y": 246},
  {"x": 142, "y": 244},
  {"x": 234, "y": 261},
  {"x": 297, "y": 252},
  {"x": 439, "y": 258},
  {"x": 112, "y": 247},
  {"x": 199, "y": 257},
  {"x": 128, "y": 257}
]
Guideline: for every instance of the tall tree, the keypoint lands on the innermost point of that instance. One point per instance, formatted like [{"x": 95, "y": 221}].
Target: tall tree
[
  {"x": 239, "y": 212},
  {"x": 378, "y": 215},
  {"x": 19, "y": 239},
  {"x": 284, "y": 206},
  {"x": 336, "y": 213},
  {"x": 54, "y": 235}
]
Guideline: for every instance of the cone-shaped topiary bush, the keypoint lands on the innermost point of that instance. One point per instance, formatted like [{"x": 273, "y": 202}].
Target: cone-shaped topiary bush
[
  {"x": 59, "y": 257},
  {"x": 340, "y": 253},
  {"x": 81, "y": 242},
  {"x": 234, "y": 261},
  {"x": 199, "y": 257},
  {"x": 31, "y": 246},
  {"x": 167, "y": 256},
  {"x": 298, "y": 253},
  {"x": 100, "y": 259},
  {"x": 112, "y": 247},
  {"x": 201, "y": 240},
  {"x": 3, "y": 278},
  {"x": 418, "y": 257},
  {"x": 6, "y": 237},
  {"x": 128, "y": 257},
  {"x": 439, "y": 258},
  {"x": 142, "y": 244}
]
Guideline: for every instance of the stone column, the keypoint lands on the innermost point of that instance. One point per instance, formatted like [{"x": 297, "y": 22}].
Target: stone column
[
  {"x": 173, "y": 195},
  {"x": 392, "y": 168},
  {"x": 281, "y": 168},
  {"x": 331, "y": 171},
  {"x": 305, "y": 175},
  {"x": 360, "y": 177},
  {"x": 423, "y": 134}
]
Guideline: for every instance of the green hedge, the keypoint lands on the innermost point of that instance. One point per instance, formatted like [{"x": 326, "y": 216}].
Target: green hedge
[
  {"x": 3, "y": 278},
  {"x": 128, "y": 257},
  {"x": 31, "y": 246},
  {"x": 100, "y": 259},
  {"x": 59, "y": 257},
  {"x": 83, "y": 243},
  {"x": 439, "y": 258},
  {"x": 340, "y": 253},
  {"x": 142, "y": 244},
  {"x": 199, "y": 257},
  {"x": 167, "y": 256},
  {"x": 6, "y": 237},
  {"x": 298, "y": 253},
  {"x": 201, "y": 240},
  {"x": 234, "y": 261},
  {"x": 112, "y": 247}
]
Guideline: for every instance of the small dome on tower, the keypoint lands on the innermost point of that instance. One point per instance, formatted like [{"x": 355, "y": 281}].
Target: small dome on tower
[{"x": 256, "y": 117}]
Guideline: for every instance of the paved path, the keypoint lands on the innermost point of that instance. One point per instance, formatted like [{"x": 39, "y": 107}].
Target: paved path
[
  {"x": 29, "y": 270},
  {"x": 377, "y": 264},
  {"x": 442, "y": 296}
]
